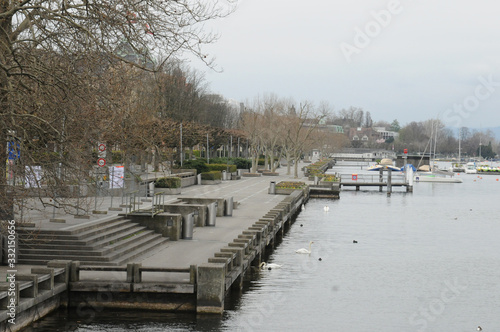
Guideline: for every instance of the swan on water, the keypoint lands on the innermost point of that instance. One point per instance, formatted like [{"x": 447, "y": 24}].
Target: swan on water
[
  {"x": 479, "y": 328},
  {"x": 326, "y": 208},
  {"x": 304, "y": 250},
  {"x": 269, "y": 266}
]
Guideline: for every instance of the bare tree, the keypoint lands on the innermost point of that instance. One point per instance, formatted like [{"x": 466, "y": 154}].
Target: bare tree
[
  {"x": 252, "y": 125},
  {"x": 299, "y": 131},
  {"x": 53, "y": 59}
]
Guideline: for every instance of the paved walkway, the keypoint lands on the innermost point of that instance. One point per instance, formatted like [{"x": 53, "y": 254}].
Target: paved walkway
[{"x": 251, "y": 194}]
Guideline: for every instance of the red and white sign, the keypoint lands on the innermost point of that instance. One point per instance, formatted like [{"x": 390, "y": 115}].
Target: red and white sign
[
  {"x": 101, "y": 162},
  {"x": 102, "y": 147}
]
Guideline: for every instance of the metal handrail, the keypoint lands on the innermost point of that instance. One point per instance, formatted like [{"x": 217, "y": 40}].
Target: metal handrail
[
  {"x": 158, "y": 200},
  {"x": 131, "y": 201},
  {"x": 371, "y": 177}
]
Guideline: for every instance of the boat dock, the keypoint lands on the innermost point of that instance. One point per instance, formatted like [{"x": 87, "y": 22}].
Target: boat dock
[{"x": 378, "y": 180}]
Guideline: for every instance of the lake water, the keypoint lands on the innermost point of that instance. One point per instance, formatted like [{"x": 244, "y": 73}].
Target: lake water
[{"x": 423, "y": 261}]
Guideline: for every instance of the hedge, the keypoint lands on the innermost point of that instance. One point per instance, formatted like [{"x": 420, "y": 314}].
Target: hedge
[
  {"x": 242, "y": 163},
  {"x": 197, "y": 164},
  {"x": 170, "y": 182},
  {"x": 222, "y": 167},
  {"x": 213, "y": 175}
]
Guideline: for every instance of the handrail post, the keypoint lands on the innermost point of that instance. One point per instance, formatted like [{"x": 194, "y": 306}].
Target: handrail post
[
  {"x": 137, "y": 272},
  {"x": 130, "y": 272},
  {"x": 192, "y": 274}
]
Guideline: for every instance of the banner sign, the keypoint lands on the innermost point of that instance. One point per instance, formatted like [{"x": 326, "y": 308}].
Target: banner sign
[{"x": 116, "y": 176}]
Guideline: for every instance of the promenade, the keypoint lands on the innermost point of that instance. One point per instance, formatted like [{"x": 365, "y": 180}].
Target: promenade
[{"x": 251, "y": 198}]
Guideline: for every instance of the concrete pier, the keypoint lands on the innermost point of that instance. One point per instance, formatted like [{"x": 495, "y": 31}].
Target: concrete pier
[{"x": 178, "y": 275}]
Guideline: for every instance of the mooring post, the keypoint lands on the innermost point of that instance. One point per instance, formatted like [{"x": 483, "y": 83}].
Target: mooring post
[
  {"x": 409, "y": 187},
  {"x": 389, "y": 182},
  {"x": 380, "y": 178}
]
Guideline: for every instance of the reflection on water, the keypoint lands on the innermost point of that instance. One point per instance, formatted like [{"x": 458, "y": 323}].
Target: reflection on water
[{"x": 423, "y": 261}]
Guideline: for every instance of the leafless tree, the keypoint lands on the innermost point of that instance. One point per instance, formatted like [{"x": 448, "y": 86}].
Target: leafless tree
[{"x": 54, "y": 56}]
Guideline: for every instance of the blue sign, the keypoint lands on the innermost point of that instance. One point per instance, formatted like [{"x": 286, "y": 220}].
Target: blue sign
[{"x": 14, "y": 150}]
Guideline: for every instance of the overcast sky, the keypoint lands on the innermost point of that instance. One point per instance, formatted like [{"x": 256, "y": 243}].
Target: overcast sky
[{"x": 398, "y": 59}]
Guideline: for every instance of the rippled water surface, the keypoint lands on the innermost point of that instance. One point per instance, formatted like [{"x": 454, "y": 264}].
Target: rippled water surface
[{"x": 423, "y": 261}]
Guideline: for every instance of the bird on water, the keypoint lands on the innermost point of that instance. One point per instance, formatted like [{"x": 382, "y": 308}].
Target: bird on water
[
  {"x": 354, "y": 241},
  {"x": 479, "y": 328},
  {"x": 269, "y": 266},
  {"x": 326, "y": 208},
  {"x": 304, "y": 250}
]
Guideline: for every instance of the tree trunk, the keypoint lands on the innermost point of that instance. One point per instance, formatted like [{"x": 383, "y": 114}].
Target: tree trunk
[{"x": 296, "y": 167}]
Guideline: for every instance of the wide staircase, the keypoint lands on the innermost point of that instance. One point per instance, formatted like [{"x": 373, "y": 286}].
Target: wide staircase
[{"x": 109, "y": 242}]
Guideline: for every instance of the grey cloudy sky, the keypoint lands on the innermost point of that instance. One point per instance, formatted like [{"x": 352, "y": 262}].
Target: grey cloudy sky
[{"x": 398, "y": 59}]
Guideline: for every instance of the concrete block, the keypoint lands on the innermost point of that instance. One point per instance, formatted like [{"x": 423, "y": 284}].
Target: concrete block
[
  {"x": 46, "y": 280},
  {"x": 167, "y": 224},
  {"x": 211, "y": 288},
  {"x": 32, "y": 291}
]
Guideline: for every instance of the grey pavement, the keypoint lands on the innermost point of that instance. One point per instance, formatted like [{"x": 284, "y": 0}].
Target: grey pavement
[{"x": 250, "y": 193}]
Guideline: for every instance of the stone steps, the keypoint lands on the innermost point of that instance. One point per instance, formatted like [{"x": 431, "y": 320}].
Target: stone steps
[
  {"x": 109, "y": 242},
  {"x": 95, "y": 241}
]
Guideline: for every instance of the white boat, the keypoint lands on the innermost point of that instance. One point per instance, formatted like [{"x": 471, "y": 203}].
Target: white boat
[
  {"x": 470, "y": 168},
  {"x": 435, "y": 177},
  {"x": 458, "y": 168},
  {"x": 428, "y": 173}
]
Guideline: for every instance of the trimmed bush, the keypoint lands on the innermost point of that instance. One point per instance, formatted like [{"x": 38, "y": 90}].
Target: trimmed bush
[
  {"x": 213, "y": 175},
  {"x": 197, "y": 164},
  {"x": 170, "y": 182},
  {"x": 329, "y": 178},
  {"x": 239, "y": 162},
  {"x": 221, "y": 167},
  {"x": 290, "y": 185}
]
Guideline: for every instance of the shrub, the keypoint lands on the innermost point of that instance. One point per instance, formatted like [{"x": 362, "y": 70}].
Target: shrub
[
  {"x": 290, "y": 185},
  {"x": 329, "y": 178},
  {"x": 221, "y": 167},
  {"x": 170, "y": 182},
  {"x": 241, "y": 163},
  {"x": 212, "y": 175},
  {"x": 197, "y": 164}
]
